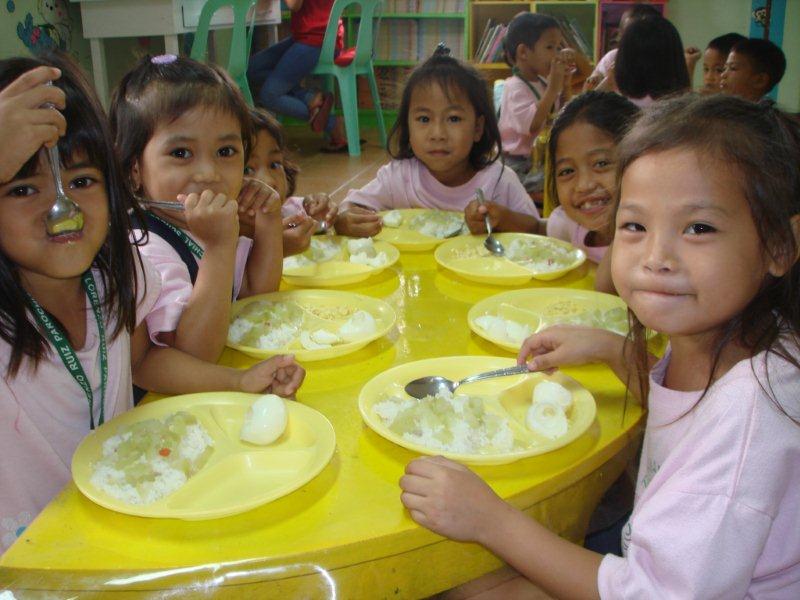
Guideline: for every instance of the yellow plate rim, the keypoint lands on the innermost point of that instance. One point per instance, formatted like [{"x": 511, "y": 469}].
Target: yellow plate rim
[
  {"x": 366, "y": 400},
  {"x": 505, "y": 238},
  {"x": 325, "y": 447},
  {"x": 304, "y": 355}
]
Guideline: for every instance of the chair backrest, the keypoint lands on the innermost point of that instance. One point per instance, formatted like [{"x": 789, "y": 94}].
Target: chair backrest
[
  {"x": 240, "y": 40},
  {"x": 367, "y": 31}
]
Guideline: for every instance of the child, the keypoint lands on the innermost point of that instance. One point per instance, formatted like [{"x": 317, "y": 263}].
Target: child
[
  {"x": 604, "y": 71},
  {"x": 752, "y": 69},
  {"x": 269, "y": 163},
  {"x": 715, "y": 268},
  {"x": 650, "y": 62},
  {"x": 89, "y": 291},
  {"x": 714, "y": 57},
  {"x": 183, "y": 132},
  {"x": 583, "y": 170},
  {"x": 529, "y": 100},
  {"x": 445, "y": 145}
]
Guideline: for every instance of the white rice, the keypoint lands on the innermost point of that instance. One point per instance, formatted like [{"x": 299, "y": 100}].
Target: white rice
[{"x": 278, "y": 337}]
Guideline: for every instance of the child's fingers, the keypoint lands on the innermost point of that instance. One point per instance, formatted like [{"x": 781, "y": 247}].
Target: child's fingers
[
  {"x": 46, "y": 135},
  {"x": 414, "y": 484},
  {"x": 419, "y": 517},
  {"x": 413, "y": 501},
  {"x": 42, "y": 97},
  {"x": 30, "y": 79}
]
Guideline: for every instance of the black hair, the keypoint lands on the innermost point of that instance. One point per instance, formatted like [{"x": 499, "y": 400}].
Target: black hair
[
  {"x": 642, "y": 11},
  {"x": 89, "y": 137},
  {"x": 725, "y": 42},
  {"x": 526, "y": 28},
  {"x": 765, "y": 56},
  {"x": 650, "y": 60},
  {"x": 161, "y": 89},
  {"x": 761, "y": 145},
  {"x": 263, "y": 120},
  {"x": 452, "y": 75},
  {"x": 609, "y": 112}
]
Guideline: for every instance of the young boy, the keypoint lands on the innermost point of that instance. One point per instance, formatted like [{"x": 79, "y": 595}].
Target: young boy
[
  {"x": 714, "y": 57},
  {"x": 532, "y": 45},
  {"x": 753, "y": 68}
]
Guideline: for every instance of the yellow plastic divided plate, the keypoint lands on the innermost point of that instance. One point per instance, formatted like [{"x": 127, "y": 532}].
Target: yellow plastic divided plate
[
  {"x": 322, "y": 309},
  {"x": 339, "y": 271},
  {"x": 238, "y": 476},
  {"x": 409, "y": 240},
  {"x": 509, "y": 396},
  {"x": 467, "y": 257},
  {"x": 538, "y": 308}
]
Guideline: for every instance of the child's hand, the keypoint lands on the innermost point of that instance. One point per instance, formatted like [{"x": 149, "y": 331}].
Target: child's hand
[
  {"x": 25, "y": 123},
  {"x": 565, "y": 345},
  {"x": 279, "y": 375},
  {"x": 592, "y": 82},
  {"x": 475, "y": 215},
  {"x": 212, "y": 218},
  {"x": 358, "y": 221},
  {"x": 448, "y": 498},
  {"x": 691, "y": 55},
  {"x": 297, "y": 233},
  {"x": 321, "y": 208},
  {"x": 258, "y": 196},
  {"x": 558, "y": 71}
]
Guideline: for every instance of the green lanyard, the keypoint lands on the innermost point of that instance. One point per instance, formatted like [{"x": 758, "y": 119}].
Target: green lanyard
[
  {"x": 193, "y": 246},
  {"x": 61, "y": 343},
  {"x": 515, "y": 71}
]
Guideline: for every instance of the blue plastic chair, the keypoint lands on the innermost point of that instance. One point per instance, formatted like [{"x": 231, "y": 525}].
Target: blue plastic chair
[
  {"x": 352, "y": 62},
  {"x": 241, "y": 40}
]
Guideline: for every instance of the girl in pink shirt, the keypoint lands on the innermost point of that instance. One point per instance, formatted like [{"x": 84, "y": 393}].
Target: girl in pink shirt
[
  {"x": 184, "y": 133},
  {"x": 73, "y": 303},
  {"x": 445, "y": 144},
  {"x": 716, "y": 269},
  {"x": 583, "y": 172}
]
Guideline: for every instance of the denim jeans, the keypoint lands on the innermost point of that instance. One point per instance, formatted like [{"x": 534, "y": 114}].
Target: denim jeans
[{"x": 275, "y": 74}]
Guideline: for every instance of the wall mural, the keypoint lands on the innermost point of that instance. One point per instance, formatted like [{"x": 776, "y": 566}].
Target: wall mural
[{"x": 46, "y": 27}]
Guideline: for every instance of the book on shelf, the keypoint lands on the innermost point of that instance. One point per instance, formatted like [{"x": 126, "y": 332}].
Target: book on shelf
[{"x": 490, "y": 49}]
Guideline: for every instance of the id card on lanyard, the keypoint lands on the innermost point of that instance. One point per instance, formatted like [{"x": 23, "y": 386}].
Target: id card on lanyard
[{"x": 60, "y": 343}]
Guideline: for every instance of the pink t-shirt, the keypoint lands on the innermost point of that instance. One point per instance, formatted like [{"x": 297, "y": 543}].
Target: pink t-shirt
[
  {"x": 605, "y": 63},
  {"x": 407, "y": 183},
  {"x": 518, "y": 107},
  {"x": 176, "y": 285},
  {"x": 560, "y": 226},
  {"x": 717, "y": 508},
  {"x": 292, "y": 206},
  {"x": 45, "y": 414}
]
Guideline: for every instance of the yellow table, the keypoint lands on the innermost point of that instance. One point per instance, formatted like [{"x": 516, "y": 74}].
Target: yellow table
[{"x": 345, "y": 534}]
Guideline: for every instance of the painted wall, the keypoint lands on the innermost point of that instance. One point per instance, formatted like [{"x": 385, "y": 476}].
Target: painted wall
[
  {"x": 27, "y": 26},
  {"x": 699, "y": 21}
]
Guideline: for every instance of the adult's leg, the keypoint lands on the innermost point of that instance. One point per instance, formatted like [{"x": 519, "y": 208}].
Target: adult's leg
[
  {"x": 281, "y": 92},
  {"x": 264, "y": 61}
]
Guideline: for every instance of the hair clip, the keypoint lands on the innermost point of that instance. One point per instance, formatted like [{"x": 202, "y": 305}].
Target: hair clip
[
  {"x": 163, "y": 59},
  {"x": 441, "y": 50}
]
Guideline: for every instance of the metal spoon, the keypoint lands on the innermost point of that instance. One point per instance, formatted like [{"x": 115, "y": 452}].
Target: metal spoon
[
  {"x": 490, "y": 243},
  {"x": 165, "y": 204},
  {"x": 429, "y": 386},
  {"x": 64, "y": 216}
]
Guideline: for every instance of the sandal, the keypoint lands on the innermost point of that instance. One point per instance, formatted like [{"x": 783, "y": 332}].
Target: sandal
[{"x": 318, "y": 117}]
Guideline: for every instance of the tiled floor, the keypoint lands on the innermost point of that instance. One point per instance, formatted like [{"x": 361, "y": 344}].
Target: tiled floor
[{"x": 332, "y": 173}]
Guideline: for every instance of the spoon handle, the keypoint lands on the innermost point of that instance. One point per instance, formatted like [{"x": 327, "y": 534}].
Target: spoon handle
[
  {"x": 163, "y": 204},
  {"x": 55, "y": 169},
  {"x": 482, "y": 200},
  {"x": 515, "y": 370}
]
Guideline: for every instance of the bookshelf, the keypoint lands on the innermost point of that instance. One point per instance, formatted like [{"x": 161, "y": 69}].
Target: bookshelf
[{"x": 408, "y": 33}]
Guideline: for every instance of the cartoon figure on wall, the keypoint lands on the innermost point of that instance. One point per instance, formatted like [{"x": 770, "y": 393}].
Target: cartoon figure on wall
[{"x": 51, "y": 28}]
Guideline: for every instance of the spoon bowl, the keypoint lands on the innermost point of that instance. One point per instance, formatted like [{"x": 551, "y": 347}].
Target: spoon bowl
[
  {"x": 431, "y": 385},
  {"x": 491, "y": 243},
  {"x": 64, "y": 216}
]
